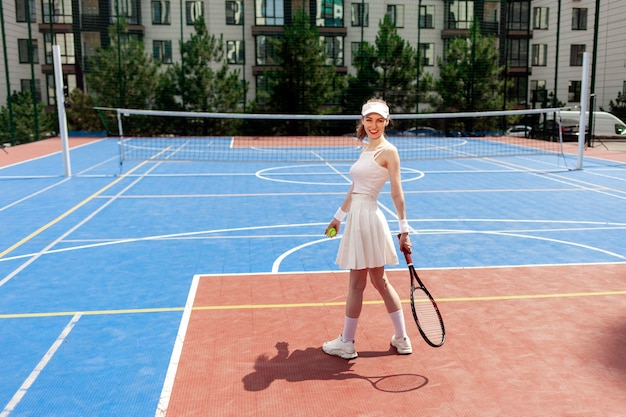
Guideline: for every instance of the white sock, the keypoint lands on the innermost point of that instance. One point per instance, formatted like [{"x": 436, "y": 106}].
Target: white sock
[
  {"x": 397, "y": 317},
  {"x": 349, "y": 329}
]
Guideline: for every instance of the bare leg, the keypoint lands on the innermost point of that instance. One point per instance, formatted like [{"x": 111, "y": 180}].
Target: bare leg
[
  {"x": 385, "y": 289},
  {"x": 354, "y": 300},
  {"x": 394, "y": 307}
]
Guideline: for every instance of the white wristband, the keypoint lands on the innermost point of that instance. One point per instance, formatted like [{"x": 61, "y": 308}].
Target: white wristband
[
  {"x": 404, "y": 226},
  {"x": 340, "y": 214}
]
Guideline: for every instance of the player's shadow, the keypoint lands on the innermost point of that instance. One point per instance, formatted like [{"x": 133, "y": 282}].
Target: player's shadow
[
  {"x": 314, "y": 364},
  {"x": 615, "y": 347}
]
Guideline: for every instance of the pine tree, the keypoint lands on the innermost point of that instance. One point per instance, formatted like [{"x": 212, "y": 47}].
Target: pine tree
[
  {"x": 387, "y": 69},
  {"x": 203, "y": 80},
  {"x": 123, "y": 75},
  {"x": 470, "y": 77},
  {"x": 303, "y": 83}
]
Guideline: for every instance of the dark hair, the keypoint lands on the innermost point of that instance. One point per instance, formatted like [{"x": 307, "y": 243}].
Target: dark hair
[{"x": 360, "y": 129}]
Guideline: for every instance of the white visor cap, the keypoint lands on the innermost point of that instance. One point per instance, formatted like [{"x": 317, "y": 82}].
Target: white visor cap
[{"x": 375, "y": 107}]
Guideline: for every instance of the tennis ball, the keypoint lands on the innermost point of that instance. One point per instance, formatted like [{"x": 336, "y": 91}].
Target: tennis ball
[{"x": 331, "y": 232}]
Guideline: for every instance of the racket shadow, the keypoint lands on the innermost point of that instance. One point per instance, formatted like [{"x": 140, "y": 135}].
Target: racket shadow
[{"x": 312, "y": 364}]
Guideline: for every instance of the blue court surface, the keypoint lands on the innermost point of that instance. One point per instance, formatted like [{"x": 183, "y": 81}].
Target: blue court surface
[{"x": 96, "y": 269}]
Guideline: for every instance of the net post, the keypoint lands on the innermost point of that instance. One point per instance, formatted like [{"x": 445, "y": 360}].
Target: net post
[
  {"x": 58, "y": 81},
  {"x": 584, "y": 98},
  {"x": 121, "y": 133}
]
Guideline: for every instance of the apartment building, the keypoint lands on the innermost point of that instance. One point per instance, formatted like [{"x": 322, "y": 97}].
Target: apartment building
[{"x": 541, "y": 42}]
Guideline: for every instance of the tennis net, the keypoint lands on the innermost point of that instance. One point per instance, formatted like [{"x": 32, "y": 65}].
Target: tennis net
[{"x": 193, "y": 136}]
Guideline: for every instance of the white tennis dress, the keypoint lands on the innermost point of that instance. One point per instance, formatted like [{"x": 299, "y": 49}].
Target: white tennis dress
[{"x": 367, "y": 240}]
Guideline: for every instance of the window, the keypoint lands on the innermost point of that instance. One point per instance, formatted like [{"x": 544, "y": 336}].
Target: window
[
  {"x": 446, "y": 48},
  {"x": 265, "y": 50},
  {"x": 89, "y": 7},
  {"x": 518, "y": 92},
  {"x": 66, "y": 47},
  {"x": 262, "y": 89},
  {"x": 427, "y": 17},
  {"x": 60, "y": 10},
  {"x": 427, "y": 54},
  {"x": 518, "y": 15},
  {"x": 235, "y": 52},
  {"x": 573, "y": 91},
  {"x": 459, "y": 14},
  {"x": 329, "y": 13},
  {"x": 194, "y": 10},
  {"x": 160, "y": 12},
  {"x": 360, "y": 14},
  {"x": 51, "y": 88},
  {"x": 21, "y": 12},
  {"x": 234, "y": 12},
  {"x": 69, "y": 84},
  {"x": 396, "y": 14},
  {"x": 540, "y": 55},
  {"x": 162, "y": 51},
  {"x": 518, "y": 53},
  {"x": 355, "y": 48},
  {"x": 127, "y": 9},
  {"x": 25, "y": 86},
  {"x": 333, "y": 47},
  {"x": 491, "y": 15},
  {"x": 576, "y": 55},
  {"x": 25, "y": 56},
  {"x": 269, "y": 12},
  {"x": 91, "y": 42},
  {"x": 538, "y": 91},
  {"x": 540, "y": 17},
  {"x": 579, "y": 19}
]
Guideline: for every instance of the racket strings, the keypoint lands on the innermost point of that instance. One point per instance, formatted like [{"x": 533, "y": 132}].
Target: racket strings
[{"x": 427, "y": 316}]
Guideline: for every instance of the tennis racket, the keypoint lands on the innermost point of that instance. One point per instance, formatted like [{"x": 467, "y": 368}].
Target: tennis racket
[{"x": 425, "y": 311}]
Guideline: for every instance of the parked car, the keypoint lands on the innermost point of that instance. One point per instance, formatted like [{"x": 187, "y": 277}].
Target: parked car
[
  {"x": 605, "y": 125},
  {"x": 549, "y": 129},
  {"x": 520, "y": 131},
  {"x": 416, "y": 131},
  {"x": 423, "y": 131}
]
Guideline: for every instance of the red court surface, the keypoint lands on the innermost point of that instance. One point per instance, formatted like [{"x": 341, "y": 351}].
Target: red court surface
[
  {"x": 24, "y": 152},
  {"x": 545, "y": 340},
  {"x": 612, "y": 150}
]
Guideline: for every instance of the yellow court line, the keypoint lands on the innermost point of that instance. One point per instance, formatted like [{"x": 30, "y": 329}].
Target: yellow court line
[
  {"x": 300, "y": 305},
  {"x": 67, "y": 213}
]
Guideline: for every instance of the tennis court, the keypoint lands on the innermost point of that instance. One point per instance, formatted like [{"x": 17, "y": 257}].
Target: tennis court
[{"x": 163, "y": 287}]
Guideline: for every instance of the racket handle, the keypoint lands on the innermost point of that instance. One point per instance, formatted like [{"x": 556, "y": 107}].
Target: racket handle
[{"x": 407, "y": 255}]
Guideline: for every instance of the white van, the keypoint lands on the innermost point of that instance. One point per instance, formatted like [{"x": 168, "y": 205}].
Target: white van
[{"x": 605, "y": 125}]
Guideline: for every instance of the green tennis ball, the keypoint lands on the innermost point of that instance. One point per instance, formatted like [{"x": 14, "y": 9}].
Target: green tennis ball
[{"x": 331, "y": 232}]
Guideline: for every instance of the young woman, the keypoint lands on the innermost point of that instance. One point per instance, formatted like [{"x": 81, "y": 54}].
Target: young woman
[{"x": 367, "y": 244}]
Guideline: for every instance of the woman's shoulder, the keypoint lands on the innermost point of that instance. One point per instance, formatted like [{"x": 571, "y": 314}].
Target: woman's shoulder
[
  {"x": 389, "y": 148},
  {"x": 390, "y": 145}
]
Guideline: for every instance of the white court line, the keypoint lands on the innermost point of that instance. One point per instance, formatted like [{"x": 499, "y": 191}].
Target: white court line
[
  {"x": 43, "y": 157},
  {"x": 284, "y": 255},
  {"x": 206, "y": 234},
  {"x": 168, "y": 384},
  {"x": 596, "y": 173},
  {"x": 37, "y": 255},
  {"x": 23, "y": 390},
  {"x": 31, "y": 195},
  {"x": 43, "y": 190},
  {"x": 588, "y": 186}
]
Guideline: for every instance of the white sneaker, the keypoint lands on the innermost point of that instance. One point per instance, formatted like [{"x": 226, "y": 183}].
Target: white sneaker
[
  {"x": 340, "y": 348},
  {"x": 402, "y": 345}
]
